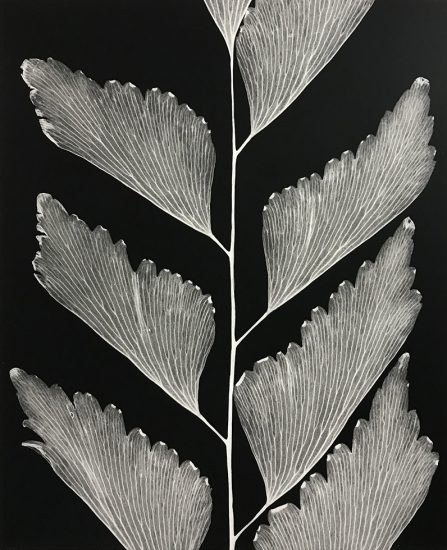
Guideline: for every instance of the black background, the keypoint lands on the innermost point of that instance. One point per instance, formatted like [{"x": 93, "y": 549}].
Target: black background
[{"x": 174, "y": 45}]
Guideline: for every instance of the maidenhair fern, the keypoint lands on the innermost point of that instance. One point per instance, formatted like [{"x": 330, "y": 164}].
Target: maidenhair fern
[{"x": 292, "y": 407}]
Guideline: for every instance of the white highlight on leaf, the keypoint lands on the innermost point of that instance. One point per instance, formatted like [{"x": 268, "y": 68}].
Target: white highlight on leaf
[
  {"x": 284, "y": 44},
  {"x": 293, "y": 407},
  {"x": 228, "y": 15},
  {"x": 163, "y": 325},
  {"x": 141, "y": 493},
  {"x": 312, "y": 226},
  {"x": 155, "y": 146},
  {"x": 372, "y": 492}
]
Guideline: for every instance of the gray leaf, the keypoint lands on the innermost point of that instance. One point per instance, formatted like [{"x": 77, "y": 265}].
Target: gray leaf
[
  {"x": 310, "y": 227},
  {"x": 139, "y": 492},
  {"x": 371, "y": 493},
  {"x": 228, "y": 15},
  {"x": 293, "y": 407},
  {"x": 150, "y": 143},
  {"x": 163, "y": 325},
  {"x": 284, "y": 44}
]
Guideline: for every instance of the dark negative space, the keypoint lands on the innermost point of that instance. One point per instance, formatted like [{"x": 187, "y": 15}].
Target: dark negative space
[{"x": 175, "y": 46}]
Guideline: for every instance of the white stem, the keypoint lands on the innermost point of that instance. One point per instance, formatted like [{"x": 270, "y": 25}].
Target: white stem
[
  {"x": 261, "y": 511},
  {"x": 211, "y": 427},
  {"x": 229, "y": 443},
  {"x": 266, "y": 314},
  {"x": 219, "y": 244},
  {"x": 246, "y": 142}
]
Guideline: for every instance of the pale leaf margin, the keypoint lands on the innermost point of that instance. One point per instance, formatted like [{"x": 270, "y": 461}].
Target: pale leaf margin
[
  {"x": 162, "y": 324},
  {"x": 293, "y": 407},
  {"x": 140, "y": 492},
  {"x": 372, "y": 491}
]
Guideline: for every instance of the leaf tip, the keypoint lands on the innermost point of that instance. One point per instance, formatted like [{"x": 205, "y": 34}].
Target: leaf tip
[
  {"x": 408, "y": 225},
  {"x": 17, "y": 375},
  {"x": 43, "y": 199},
  {"x": 36, "y": 446},
  {"x": 402, "y": 364},
  {"x": 24, "y": 66},
  {"x": 27, "y": 68},
  {"x": 422, "y": 83},
  {"x": 404, "y": 359}
]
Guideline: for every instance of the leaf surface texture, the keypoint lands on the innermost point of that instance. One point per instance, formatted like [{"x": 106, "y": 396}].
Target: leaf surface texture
[
  {"x": 284, "y": 44},
  {"x": 371, "y": 493},
  {"x": 293, "y": 407},
  {"x": 149, "y": 142},
  {"x": 141, "y": 493},
  {"x": 163, "y": 325},
  {"x": 228, "y": 15},
  {"x": 310, "y": 227}
]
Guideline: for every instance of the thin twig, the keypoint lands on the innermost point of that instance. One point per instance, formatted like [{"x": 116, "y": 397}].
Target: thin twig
[
  {"x": 211, "y": 427},
  {"x": 244, "y": 144},
  {"x": 266, "y": 314},
  {"x": 261, "y": 511},
  {"x": 219, "y": 244}
]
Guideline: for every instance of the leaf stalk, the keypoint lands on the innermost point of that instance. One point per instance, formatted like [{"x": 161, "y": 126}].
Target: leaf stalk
[
  {"x": 253, "y": 326},
  {"x": 254, "y": 518},
  {"x": 219, "y": 244},
  {"x": 212, "y": 428}
]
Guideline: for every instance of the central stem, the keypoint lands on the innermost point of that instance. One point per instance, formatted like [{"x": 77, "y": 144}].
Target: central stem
[{"x": 229, "y": 442}]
